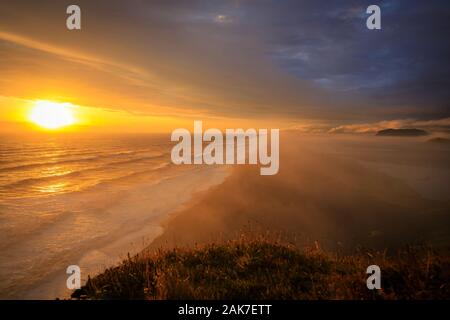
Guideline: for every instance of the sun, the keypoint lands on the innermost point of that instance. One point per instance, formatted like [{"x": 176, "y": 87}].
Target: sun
[{"x": 52, "y": 115}]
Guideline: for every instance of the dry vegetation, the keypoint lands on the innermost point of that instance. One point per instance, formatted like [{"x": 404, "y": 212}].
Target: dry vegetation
[{"x": 266, "y": 269}]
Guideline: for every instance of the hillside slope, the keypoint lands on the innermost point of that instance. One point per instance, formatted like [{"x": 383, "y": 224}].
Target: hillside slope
[{"x": 261, "y": 269}]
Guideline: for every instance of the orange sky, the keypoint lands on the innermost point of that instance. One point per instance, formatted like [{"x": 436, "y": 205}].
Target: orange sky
[{"x": 109, "y": 96}]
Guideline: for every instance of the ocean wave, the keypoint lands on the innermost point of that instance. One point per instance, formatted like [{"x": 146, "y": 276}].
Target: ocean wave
[
  {"x": 118, "y": 154},
  {"x": 82, "y": 172}
]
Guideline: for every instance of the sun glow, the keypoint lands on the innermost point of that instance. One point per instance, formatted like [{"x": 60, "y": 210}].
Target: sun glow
[{"x": 52, "y": 115}]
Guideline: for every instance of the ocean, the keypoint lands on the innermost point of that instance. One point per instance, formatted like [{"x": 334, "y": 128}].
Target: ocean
[{"x": 67, "y": 200}]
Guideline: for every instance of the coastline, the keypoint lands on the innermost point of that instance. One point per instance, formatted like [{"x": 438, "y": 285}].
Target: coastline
[{"x": 149, "y": 218}]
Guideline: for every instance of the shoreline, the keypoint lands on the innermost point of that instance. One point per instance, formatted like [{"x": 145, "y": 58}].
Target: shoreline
[{"x": 113, "y": 249}]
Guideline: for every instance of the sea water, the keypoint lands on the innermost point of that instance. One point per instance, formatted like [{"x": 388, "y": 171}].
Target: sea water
[{"x": 67, "y": 200}]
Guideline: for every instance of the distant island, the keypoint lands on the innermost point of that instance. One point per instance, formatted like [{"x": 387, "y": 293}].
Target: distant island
[{"x": 402, "y": 132}]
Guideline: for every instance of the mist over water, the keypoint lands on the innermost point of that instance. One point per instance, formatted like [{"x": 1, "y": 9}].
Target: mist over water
[{"x": 341, "y": 191}]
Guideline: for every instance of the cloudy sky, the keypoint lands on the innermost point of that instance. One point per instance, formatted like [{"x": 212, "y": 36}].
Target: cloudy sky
[{"x": 310, "y": 63}]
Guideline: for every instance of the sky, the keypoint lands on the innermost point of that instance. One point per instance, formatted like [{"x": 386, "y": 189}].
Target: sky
[{"x": 158, "y": 65}]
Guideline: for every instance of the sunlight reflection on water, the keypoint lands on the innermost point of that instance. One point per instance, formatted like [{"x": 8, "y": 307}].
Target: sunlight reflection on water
[{"x": 53, "y": 188}]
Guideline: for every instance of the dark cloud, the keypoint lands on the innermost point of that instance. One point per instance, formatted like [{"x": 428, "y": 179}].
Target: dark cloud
[{"x": 404, "y": 64}]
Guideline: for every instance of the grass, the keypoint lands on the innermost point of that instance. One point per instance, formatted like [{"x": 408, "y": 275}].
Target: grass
[{"x": 266, "y": 269}]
